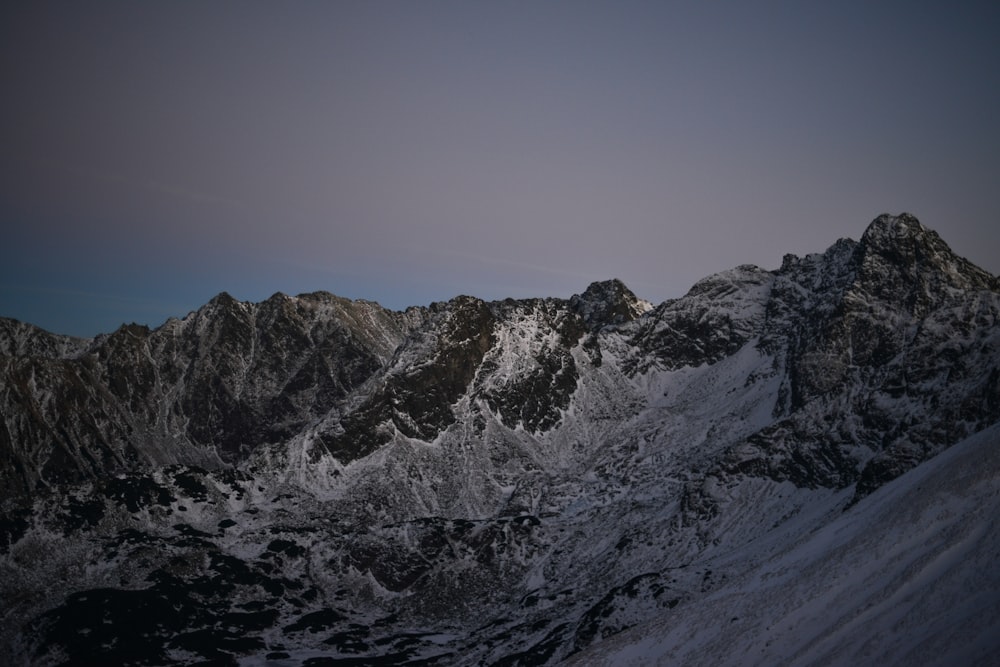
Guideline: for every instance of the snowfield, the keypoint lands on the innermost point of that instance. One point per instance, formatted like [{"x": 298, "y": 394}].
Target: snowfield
[{"x": 910, "y": 575}]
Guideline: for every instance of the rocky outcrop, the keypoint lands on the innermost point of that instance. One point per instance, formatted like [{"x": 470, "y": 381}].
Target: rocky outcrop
[{"x": 890, "y": 358}]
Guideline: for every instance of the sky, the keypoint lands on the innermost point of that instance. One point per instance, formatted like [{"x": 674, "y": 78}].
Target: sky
[{"x": 156, "y": 154}]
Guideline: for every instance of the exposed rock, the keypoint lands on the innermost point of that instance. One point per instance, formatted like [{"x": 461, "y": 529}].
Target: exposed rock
[{"x": 323, "y": 481}]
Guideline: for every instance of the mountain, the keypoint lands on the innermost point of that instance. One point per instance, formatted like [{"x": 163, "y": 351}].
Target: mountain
[
  {"x": 754, "y": 473},
  {"x": 926, "y": 592}
]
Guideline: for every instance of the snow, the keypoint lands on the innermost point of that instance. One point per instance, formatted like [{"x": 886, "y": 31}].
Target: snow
[
  {"x": 653, "y": 498},
  {"x": 908, "y": 576}
]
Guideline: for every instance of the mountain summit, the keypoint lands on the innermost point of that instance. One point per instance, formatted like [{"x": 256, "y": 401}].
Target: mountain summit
[
  {"x": 313, "y": 480},
  {"x": 608, "y": 302}
]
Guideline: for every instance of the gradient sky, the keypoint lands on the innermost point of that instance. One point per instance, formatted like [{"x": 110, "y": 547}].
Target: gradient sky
[{"x": 155, "y": 154}]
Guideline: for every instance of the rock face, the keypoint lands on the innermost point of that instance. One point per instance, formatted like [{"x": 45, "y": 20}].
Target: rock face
[
  {"x": 206, "y": 390},
  {"x": 320, "y": 481}
]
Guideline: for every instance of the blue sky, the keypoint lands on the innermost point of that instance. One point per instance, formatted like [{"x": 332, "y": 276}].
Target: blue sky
[{"x": 156, "y": 154}]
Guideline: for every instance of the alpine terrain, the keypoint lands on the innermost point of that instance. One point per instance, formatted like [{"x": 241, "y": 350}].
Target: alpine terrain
[{"x": 788, "y": 467}]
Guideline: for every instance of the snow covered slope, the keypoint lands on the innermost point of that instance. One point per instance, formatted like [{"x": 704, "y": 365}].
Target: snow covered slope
[
  {"x": 907, "y": 576},
  {"x": 310, "y": 480}
]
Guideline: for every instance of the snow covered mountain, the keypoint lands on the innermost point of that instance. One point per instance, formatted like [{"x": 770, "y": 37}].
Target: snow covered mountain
[{"x": 750, "y": 474}]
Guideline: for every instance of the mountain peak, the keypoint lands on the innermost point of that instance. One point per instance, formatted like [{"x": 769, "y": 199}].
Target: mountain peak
[
  {"x": 900, "y": 243},
  {"x": 223, "y": 300},
  {"x": 608, "y": 302},
  {"x": 888, "y": 228}
]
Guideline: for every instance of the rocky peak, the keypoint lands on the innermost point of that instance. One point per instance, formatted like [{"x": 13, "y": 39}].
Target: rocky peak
[
  {"x": 897, "y": 226},
  {"x": 225, "y": 298},
  {"x": 897, "y": 250},
  {"x": 903, "y": 240},
  {"x": 223, "y": 302},
  {"x": 608, "y": 302},
  {"x": 913, "y": 247}
]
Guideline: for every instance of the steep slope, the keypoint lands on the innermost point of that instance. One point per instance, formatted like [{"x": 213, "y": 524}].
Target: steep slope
[
  {"x": 503, "y": 483},
  {"x": 907, "y": 576}
]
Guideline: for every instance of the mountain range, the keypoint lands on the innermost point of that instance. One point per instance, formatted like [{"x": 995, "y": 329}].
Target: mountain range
[{"x": 787, "y": 467}]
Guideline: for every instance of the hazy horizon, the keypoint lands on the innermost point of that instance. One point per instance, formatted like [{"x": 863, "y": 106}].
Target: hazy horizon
[{"x": 158, "y": 154}]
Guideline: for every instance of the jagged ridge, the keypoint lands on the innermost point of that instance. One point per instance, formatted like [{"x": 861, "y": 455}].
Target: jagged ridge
[{"x": 527, "y": 476}]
